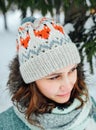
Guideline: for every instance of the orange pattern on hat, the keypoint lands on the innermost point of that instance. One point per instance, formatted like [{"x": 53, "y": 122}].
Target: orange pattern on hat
[
  {"x": 58, "y": 27},
  {"x": 44, "y": 33},
  {"x": 20, "y": 29},
  {"x": 24, "y": 41}
]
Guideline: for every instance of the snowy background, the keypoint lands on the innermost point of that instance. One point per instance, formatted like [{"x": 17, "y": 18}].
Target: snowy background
[{"x": 8, "y": 51}]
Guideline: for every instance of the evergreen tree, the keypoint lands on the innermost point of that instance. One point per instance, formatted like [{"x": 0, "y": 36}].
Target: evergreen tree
[
  {"x": 44, "y": 6},
  {"x": 75, "y": 13},
  {"x": 22, "y": 5},
  {"x": 4, "y": 7}
]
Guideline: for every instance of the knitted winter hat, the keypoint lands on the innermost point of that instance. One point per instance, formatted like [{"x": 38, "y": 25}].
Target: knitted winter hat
[{"x": 43, "y": 47}]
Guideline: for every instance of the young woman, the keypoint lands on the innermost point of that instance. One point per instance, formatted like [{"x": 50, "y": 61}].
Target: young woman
[{"x": 46, "y": 82}]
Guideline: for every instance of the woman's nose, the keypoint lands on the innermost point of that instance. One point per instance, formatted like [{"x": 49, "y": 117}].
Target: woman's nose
[{"x": 65, "y": 84}]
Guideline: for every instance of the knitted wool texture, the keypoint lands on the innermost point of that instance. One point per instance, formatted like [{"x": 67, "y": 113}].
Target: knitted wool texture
[
  {"x": 43, "y": 47},
  {"x": 67, "y": 119}
]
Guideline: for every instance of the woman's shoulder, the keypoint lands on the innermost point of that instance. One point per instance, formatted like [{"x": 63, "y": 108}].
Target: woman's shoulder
[
  {"x": 6, "y": 115},
  {"x": 92, "y": 123},
  {"x": 7, "y": 112},
  {"x": 10, "y": 121}
]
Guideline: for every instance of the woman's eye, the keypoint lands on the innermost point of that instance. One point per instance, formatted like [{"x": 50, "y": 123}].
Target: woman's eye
[
  {"x": 73, "y": 69},
  {"x": 56, "y": 77}
]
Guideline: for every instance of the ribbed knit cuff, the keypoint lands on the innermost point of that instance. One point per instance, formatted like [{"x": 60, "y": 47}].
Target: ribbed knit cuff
[{"x": 49, "y": 62}]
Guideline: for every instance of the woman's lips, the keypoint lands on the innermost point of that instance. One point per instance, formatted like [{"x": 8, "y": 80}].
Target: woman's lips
[{"x": 64, "y": 95}]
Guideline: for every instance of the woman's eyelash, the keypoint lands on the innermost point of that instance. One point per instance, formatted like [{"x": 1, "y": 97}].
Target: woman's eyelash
[{"x": 54, "y": 77}]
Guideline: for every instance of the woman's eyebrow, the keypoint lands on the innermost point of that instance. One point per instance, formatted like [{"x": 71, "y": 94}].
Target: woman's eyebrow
[
  {"x": 54, "y": 74},
  {"x": 58, "y": 73}
]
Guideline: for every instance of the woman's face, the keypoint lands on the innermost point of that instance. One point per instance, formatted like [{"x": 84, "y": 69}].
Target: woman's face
[{"x": 58, "y": 86}]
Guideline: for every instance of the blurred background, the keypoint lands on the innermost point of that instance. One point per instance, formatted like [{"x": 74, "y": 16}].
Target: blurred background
[{"x": 78, "y": 18}]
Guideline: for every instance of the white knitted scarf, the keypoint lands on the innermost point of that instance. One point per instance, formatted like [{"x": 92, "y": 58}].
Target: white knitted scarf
[{"x": 67, "y": 119}]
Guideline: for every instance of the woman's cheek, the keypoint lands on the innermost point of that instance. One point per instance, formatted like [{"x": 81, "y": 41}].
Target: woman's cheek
[{"x": 73, "y": 77}]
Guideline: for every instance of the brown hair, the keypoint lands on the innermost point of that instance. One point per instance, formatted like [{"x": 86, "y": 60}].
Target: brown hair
[{"x": 28, "y": 96}]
